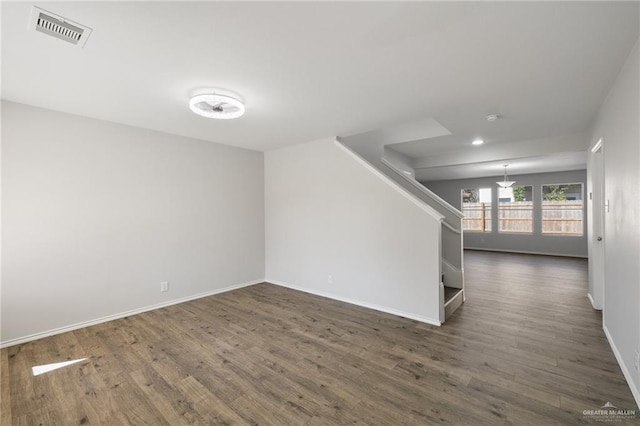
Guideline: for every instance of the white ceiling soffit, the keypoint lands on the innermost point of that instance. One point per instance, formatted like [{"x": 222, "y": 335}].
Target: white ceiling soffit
[
  {"x": 309, "y": 70},
  {"x": 563, "y": 161},
  {"x": 449, "y": 157},
  {"x": 450, "y": 150},
  {"x": 424, "y": 129}
]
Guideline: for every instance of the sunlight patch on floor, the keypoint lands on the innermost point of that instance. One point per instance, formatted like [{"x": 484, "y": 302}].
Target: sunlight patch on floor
[{"x": 41, "y": 369}]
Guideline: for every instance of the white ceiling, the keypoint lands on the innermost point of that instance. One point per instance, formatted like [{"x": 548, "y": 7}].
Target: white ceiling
[{"x": 314, "y": 70}]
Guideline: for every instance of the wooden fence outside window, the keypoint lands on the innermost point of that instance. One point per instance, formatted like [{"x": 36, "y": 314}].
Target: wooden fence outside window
[
  {"x": 562, "y": 217},
  {"x": 558, "y": 217},
  {"x": 477, "y": 217},
  {"x": 516, "y": 217}
]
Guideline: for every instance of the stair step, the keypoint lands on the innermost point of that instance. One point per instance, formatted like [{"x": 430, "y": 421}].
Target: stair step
[
  {"x": 453, "y": 298},
  {"x": 450, "y": 293}
]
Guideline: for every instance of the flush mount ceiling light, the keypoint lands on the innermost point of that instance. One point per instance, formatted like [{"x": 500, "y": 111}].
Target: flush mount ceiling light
[
  {"x": 506, "y": 183},
  {"x": 216, "y": 105},
  {"x": 477, "y": 142}
]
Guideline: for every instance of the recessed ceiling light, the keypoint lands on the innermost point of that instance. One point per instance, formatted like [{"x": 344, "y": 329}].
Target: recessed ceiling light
[
  {"x": 492, "y": 117},
  {"x": 477, "y": 142},
  {"x": 216, "y": 105}
]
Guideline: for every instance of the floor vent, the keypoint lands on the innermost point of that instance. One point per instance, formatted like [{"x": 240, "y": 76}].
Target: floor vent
[{"x": 59, "y": 27}]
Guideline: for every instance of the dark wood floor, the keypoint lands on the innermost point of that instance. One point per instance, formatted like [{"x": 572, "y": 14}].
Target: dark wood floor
[{"x": 525, "y": 348}]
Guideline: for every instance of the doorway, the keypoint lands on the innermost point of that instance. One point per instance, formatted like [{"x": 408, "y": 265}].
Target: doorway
[{"x": 596, "y": 239}]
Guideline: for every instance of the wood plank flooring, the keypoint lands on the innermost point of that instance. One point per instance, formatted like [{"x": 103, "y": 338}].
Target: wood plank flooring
[{"x": 526, "y": 348}]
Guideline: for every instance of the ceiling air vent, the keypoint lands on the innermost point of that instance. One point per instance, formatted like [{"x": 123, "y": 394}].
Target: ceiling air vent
[{"x": 59, "y": 27}]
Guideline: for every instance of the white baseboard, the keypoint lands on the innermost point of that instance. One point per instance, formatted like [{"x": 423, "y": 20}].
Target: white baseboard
[
  {"x": 384, "y": 309},
  {"x": 593, "y": 302},
  {"x": 625, "y": 371},
  {"x": 579, "y": 256},
  {"x": 89, "y": 323}
]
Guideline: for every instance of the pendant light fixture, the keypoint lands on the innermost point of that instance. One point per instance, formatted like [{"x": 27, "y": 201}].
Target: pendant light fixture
[{"x": 506, "y": 183}]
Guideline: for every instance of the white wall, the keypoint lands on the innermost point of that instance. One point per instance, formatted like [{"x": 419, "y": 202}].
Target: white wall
[
  {"x": 95, "y": 215},
  {"x": 618, "y": 125},
  {"x": 326, "y": 214},
  {"x": 450, "y": 191}
]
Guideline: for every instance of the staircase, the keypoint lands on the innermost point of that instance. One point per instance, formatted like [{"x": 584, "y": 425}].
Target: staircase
[
  {"x": 451, "y": 248},
  {"x": 451, "y": 291}
]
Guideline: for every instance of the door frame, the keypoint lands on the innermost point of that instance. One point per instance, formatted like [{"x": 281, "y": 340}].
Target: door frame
[{"x": 597, "y": 237}]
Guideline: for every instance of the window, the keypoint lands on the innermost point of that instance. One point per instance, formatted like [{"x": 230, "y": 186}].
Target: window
[
  {"x": 515, "y": 209},
  {"x": 476, "y": 207},
  {"x": 562, "y": 209}
]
